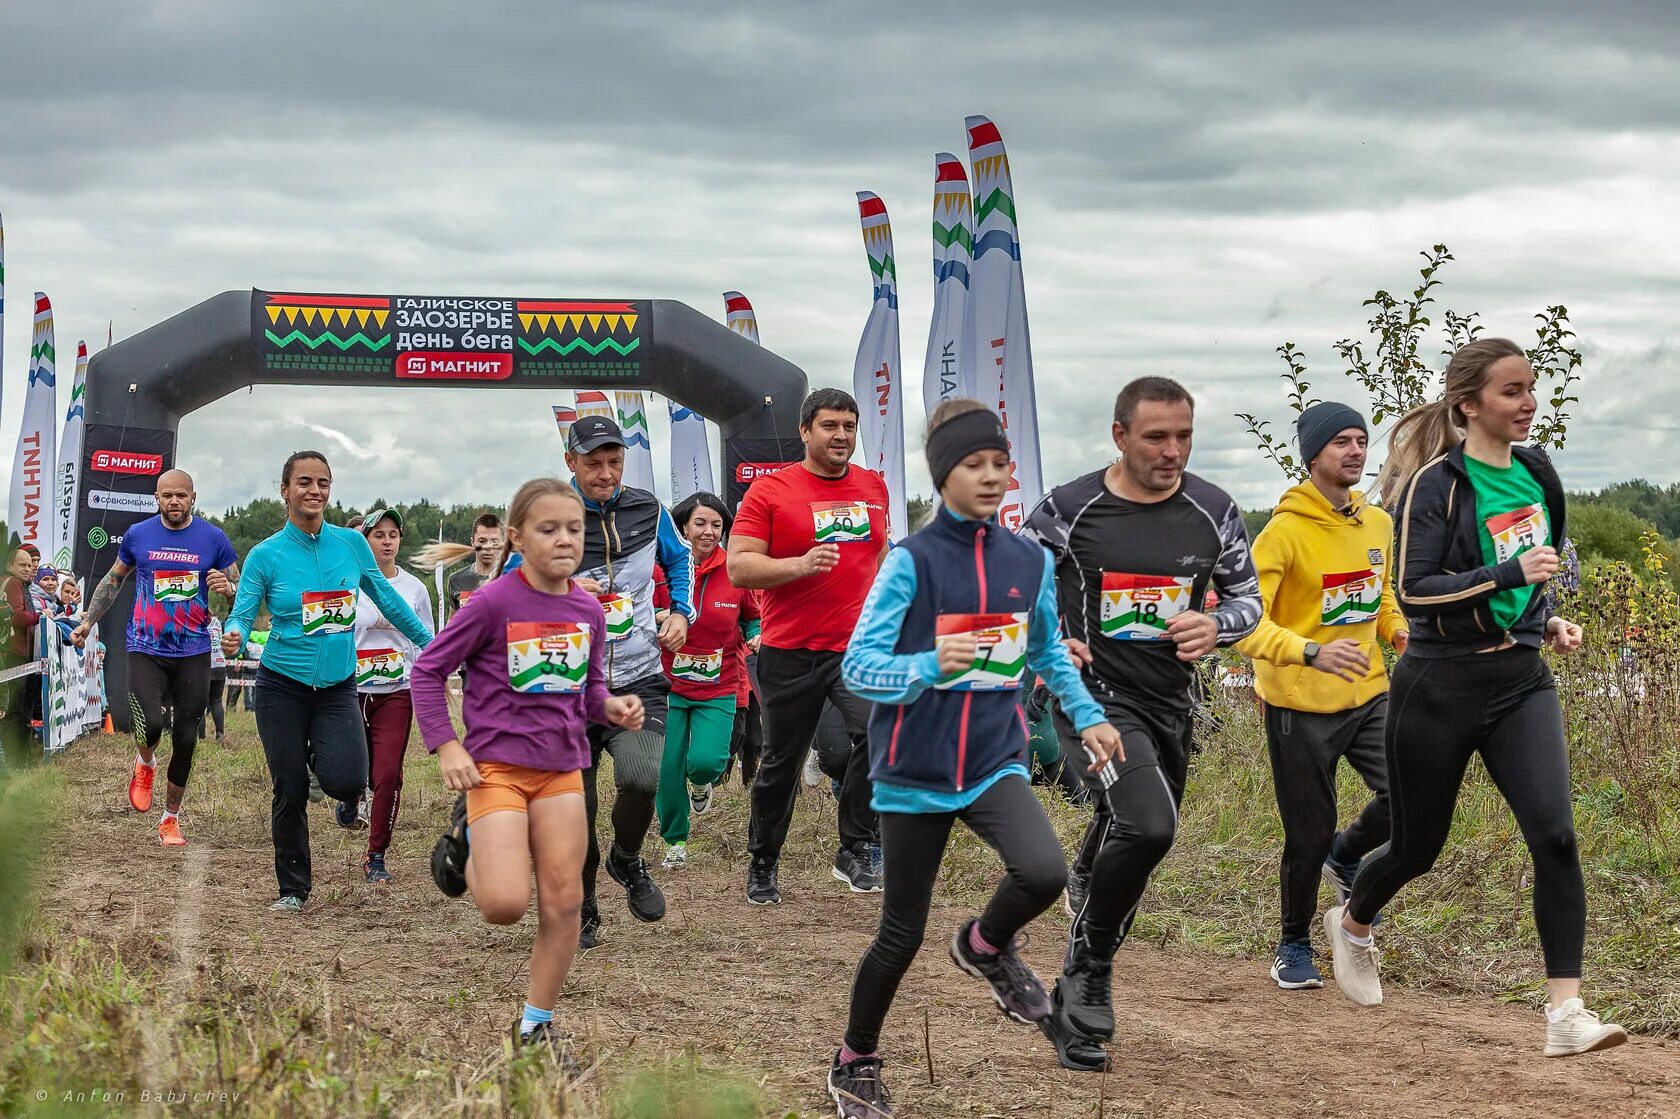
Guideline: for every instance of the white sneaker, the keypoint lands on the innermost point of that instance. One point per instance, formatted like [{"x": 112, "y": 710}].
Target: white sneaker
[
  {"x": 676, "y": 856},
  {"x": 700, "y": 799},
  {"x": 1356, "y": 967},
  {"x": 364, "y": 807},
  {"x": 1573, "y": 1029},
  {"x": 813, "y": 770}
]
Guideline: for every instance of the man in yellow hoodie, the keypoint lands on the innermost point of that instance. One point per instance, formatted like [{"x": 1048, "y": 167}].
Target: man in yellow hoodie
[{"x": 1326, "y": 580}]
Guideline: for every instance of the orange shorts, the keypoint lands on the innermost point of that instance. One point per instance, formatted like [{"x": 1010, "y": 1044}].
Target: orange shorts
[{"x": 513, "y": 787}]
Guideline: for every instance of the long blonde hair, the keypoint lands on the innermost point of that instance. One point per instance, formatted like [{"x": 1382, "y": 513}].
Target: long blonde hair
[
  {"x": 1430, "y": 430},
  {"x": 519, "y": 510}
]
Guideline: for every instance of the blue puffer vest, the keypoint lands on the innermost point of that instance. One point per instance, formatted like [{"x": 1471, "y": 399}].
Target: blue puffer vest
[{"x": 949, "y": 740}]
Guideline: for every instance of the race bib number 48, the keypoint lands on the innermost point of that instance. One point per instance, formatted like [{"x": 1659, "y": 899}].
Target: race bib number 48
[
  {"x": 700, "y": 667},
  {"x": 1138, "y": 607},
  {"x": 621, "y": 616},
  {"x": 174, "y": 586},
  {"x": 1002, "y": 659},
  {"x": 1517, "y": 531},
  {"x": 1351, "y": 597},
  {"x": 328, "y": 612},
  {"x": 840, "y": 522},
  {"x": 379, "y": 666},
  {"x": 548, "y": 657}
]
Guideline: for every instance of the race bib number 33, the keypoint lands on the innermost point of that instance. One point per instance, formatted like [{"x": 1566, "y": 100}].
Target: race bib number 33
[
  {"x": 840, "y": 522},
  {"x": 1517, "y": 531},
  {"x": 328, "y": 612},
  {"x": 1002, "y": 659},
  {"x": 1138, "y": 607},
  {"x": 548, "y": 657},
  {"x": 1351, "y": 597}
]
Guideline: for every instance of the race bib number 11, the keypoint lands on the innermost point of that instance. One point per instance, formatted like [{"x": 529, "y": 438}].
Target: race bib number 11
[
  {"x": 548, "y": 657},
  {"x": 1351, "y": 597},
  {"x": 328, "y": 612},
  {"x": 1138, "y": 607},
  {"x": 1002, "y": 659}
]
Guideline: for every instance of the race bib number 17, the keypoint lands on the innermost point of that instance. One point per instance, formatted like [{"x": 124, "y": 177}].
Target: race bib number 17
[
  {"x": 1351, "y": 597},
  {"x": 1002, "y": 659},
  {"x": 328, "y": 612},
  {"x": 1517, "y": 531},
  {"x": 840, "y": 522},
  {"x": 548, "y": 657},
  {"x": 1138, "y": 607}
]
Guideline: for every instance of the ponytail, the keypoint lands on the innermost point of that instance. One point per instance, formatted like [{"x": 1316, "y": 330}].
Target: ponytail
[
  {"x": 436, "y": 555},
  {"x": 1422, "y": 435}
]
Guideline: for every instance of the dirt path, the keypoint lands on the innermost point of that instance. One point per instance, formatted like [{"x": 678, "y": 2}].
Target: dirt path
[{"x": 765, "y": 989}]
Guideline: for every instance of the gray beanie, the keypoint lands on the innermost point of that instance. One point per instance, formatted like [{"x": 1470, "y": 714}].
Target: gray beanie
[{"x": 1321, "y": 423}]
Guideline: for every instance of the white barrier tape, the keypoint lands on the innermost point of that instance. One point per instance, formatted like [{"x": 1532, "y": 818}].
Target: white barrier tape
[{"x": 31, "y": 669}]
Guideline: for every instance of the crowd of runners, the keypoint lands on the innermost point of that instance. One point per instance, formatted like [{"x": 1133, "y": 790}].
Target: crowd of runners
[{"x": 684, "y": 643}]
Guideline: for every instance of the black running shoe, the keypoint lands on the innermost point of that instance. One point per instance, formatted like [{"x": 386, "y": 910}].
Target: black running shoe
[
  {"x": 761, "y": 883},
  {"x": 449, "y": 853},
  {"x": 348, "y": 817},
  {"x": 547, "y": 1035},
  {"x": 1018, "y": 992},
  {"x": 647, "y": 901},
  {"x": 1085, "y": 992},
  {"x": 589, "y": 926},
  {"x": 857, "y": 1089},
  {"x": 854, "y": 867},
  {"x": 1078, "y": 889},
  {"x": 1073, "y": 1049}
]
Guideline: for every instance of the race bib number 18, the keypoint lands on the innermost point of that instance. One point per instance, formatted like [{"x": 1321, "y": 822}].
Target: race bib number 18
[
  {"x": 328, "y": 612},
  {"x": 174, "y": 586},
  {"x": 1351, "y": 597},
  {"x": 1517, "y": 531},
  {"x": 621, "y": 616},
  {"x": 1138, "y": 607},
  {"x": 1002, "y": 660},
  {"x": 840, "y": 522},
  {"x": 548, "y": 657}
]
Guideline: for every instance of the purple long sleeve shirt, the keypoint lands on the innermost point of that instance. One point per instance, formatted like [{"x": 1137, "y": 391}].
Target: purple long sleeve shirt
[{"x": 535, "y": 676}]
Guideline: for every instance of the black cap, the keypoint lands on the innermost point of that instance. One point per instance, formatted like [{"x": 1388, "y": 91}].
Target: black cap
[{"x": 591, "y": 433}]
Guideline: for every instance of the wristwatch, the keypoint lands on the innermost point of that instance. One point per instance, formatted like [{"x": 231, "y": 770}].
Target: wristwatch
[{"x": 1310, "y": 652}]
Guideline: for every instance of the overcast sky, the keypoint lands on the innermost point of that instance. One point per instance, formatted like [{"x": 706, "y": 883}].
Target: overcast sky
[{"x": 1193, "y": 190}]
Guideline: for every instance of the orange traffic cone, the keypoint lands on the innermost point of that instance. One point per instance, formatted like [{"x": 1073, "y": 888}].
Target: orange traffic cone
[{"x": 108, "y": 728}]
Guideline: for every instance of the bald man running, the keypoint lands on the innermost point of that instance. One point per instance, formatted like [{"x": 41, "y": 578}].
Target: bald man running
[{"x": 180, "y": 559}]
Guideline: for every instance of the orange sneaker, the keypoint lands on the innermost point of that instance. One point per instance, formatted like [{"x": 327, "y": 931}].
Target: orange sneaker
[
  {"x": 140, "y": 787},
  {"x": 169, "y": 832}
]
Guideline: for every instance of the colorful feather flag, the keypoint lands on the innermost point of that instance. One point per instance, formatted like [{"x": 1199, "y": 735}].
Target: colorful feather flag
[
  {"x": 878, "y": 371},
  {"x": 949, "y": 367},
  {"x": 67, "y": 479},
  {"x": 638, "y": 450},
  {"x": 29, "y": 513}
]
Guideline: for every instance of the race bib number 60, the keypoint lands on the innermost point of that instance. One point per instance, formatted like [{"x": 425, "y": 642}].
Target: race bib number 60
[
  {"x": 840, "y": 522},
  {"x": 328, "y": 612},
  {"x": 1138, "y": 607},
  {"x": 548, "y": 657},
  {"x": 1002, "y": 659}
]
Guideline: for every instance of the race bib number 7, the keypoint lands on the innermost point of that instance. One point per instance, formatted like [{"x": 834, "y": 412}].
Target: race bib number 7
[
  {"x": 548, "y": 657},
  {"x": 174, "y": 586},
  {"x": 1138, "y": 607},
  {"x": 1517, "y": 531},
  {"x": 328, "y": 612},
  {"x": 1002, "y": 659},
  {"x": 1351, "y": 597},
  {"x": 840, "y": 522}
]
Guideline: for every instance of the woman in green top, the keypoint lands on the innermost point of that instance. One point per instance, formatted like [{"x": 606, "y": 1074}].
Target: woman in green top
[
  {"x": 307, "y": 576},
  {"x": 1479, "y": 517}
]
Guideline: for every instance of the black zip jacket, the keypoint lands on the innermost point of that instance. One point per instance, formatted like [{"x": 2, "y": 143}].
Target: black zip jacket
[{"x": 1445, "y": 588}]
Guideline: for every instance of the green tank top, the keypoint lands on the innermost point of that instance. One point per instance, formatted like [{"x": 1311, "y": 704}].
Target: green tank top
[{"x": 1511, "y": 509}]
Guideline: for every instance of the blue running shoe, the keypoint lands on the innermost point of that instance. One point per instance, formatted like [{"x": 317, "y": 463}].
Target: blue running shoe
[{"x": 1293, "y": 968}]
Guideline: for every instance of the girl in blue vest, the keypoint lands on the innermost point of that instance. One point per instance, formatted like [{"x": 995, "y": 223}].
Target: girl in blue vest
[{"x": 960, "y": 614}]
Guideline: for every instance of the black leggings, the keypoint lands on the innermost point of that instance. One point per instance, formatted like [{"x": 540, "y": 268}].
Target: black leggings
[
  {"x": 1503, "y": 706},
  {"x": 183, "y": 685},
  {"x": 218, "y": 686},
  {"x": 1010, "y": 819}
]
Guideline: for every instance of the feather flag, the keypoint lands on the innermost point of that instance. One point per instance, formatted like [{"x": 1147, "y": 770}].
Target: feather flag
[
  {"x": 29, "y": 513},
  {"x": 1000, "y": 344},
  {"x": 691, "y": 456},
  {"x": 739, "y": 316},
  {"x": 67, "y": 479},
  {"x": 564, "y": 417},
  {"x": 878, "y": 372},
  {"x": 594, "y": 403},
  {"x": 638, "y": 450},
  {"x": 949, "y": 368}
]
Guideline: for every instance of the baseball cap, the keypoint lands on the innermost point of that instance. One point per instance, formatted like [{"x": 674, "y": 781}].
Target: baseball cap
[
  {"x": 591, "y": 433},
  {"x": 377, "y": 515}
]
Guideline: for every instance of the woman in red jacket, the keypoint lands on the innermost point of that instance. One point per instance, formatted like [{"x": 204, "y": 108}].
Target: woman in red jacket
[{"x": 704, "y": 673}]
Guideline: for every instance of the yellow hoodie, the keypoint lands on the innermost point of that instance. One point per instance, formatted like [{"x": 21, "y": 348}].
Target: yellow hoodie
[{"x": 1324, "y": 575}]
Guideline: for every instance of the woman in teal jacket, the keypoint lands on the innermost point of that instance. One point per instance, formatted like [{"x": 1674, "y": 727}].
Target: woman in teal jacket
[{"x": 307, "y": 575}]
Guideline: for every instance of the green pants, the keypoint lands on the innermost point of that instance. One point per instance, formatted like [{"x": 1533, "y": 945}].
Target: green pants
[{"x": 697, "y": 734}]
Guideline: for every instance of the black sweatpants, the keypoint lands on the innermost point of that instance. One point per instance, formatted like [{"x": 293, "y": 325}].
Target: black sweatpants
[
  {"x": 1010, "y": 819},
  {"x": 796, "y": 683},
  {"x": 1305, "y": 746},
  {"x": 747, "y": 740},
  {"x": 181, "y": 684},
  {"x": 218, "y": 688},
  {"x": 1136, "y": 818},
  {"x": 1503, "y": 706},
  {"x": 304, "y": 728},
  {"x": 636, "y": 755}
]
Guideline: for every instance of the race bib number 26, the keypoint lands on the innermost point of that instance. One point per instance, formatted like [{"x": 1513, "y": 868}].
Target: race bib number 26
[
  {"x": 1138, "y": 607},
  {"x": 1002, "y": 659},
  {"x": 328, "y": 612},
  {"x": 548, "y": 657}
]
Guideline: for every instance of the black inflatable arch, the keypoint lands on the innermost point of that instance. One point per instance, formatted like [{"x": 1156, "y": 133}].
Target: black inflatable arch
[{"x": 138, "y": 389}]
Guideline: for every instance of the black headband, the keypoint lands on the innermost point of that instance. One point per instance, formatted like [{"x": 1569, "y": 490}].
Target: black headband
[{"x": 961, "y": 436}]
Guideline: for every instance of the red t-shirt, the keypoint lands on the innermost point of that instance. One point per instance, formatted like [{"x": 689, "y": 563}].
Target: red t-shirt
[{"x": 794, "y": 510}]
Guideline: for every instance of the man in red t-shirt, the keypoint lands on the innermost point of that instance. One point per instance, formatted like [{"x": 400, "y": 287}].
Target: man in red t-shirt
[{"x": 810, "y": 538}]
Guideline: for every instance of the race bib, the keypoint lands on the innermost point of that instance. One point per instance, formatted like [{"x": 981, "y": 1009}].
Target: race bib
[
  {"x": 174, "y": 586},
  {"x": 1351, "y": 597},
  {"x": 621, "y": 616},
  {"x": 697, "y": 668},
  {"x": 1517, "y": 531},
  {"x": 1138, "y": 607},
  {"x": 840, "y": 522},
  {"x": 328, "y": 612},
  {"x": 1002, "y": 659},
  {"x": 548, "y": 657},
  {"x": 380, "y": 666}
]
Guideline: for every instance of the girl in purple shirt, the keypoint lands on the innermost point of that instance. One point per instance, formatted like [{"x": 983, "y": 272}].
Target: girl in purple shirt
[{"x": 534, "y": 646}]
